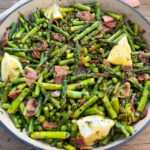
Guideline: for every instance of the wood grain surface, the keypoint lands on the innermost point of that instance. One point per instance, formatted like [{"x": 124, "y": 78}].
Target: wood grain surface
[{"x": 141, "y": 142}]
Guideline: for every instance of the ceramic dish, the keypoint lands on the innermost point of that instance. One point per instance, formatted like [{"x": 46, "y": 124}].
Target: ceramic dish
[{"x": 27, "y": 7}]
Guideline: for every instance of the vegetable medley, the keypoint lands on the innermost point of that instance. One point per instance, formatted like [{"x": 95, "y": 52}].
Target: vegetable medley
[{"x": 75, "y": 76}]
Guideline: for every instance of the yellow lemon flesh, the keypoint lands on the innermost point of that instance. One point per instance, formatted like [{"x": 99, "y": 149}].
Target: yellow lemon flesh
[
  {"x": 94, "y": 128},
  {"x": 10, "y": 67},
  {"x": 121, "y": 53},
  {"x": 53, "y": 12}
]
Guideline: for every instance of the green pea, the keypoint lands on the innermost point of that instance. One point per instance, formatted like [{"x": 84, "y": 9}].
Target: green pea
[
  {"x": 41, "y": 119},
  {"x": 59, "y": 145},
  {"x": 115, "y": 80},
  {"x": 122, "y": 92}
]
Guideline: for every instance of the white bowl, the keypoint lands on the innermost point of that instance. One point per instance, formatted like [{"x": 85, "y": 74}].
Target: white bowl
[{"x": 110, "y": 5}]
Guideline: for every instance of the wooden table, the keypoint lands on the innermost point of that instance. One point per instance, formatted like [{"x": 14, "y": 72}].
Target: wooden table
[{"x": 141, "y": 142}]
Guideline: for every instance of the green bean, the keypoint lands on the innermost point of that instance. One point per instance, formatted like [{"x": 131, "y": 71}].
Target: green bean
[
  {"x": 6, "y": 91},
  {"x": 40, "y": 100},
  {"x": 135, "y": 84},
  {"x": 65, "y": 10},
  {"x": 82, "y": 84},
  {"x": 136, "y": 29},
  {"x": 87, "y": 38},
  {"x": 82, "y": 7},
  {"x": 21, "y": 86},
  {"x": 66, "y": 62},
  {"x": 77, "y": 49},
  {"x": 55, "y": 102},
  {"x": 98, "y": 11},
  {"x": 33, "y": 31},
  {"x": 114, "y": 36},
  {"x": 105, "y": 141},
  {"x": 122, "y": 128},
  {"x": 109, "y": 108},
  {"x": 115, "y": 16},
  {"x": 49, "y": 30},
  {"x": 78, "y": 23},
  {"x": 77, "y": 95},
  {"x": 15, "y": 120},
  {"x": 64, "y": 93},
  {"x": 86, "y": 105},
  {"x": 93, "y": 110},
  {"x": 17, "y": 80},
  {"x": 96, "y": 86},
  {"x": 15, "y": 104},
  {"x": 37, "y": 87},
  {"x": 50, "y": 134},
  {"x": 46, "y": 112},
  {"x": 115, "y": 104},
  {"x": 144, "y": 98},
  {"x": 31, "y": 125},
  {"x": 69, "y": 147},
  {"x": 74, "y": 129},
  {"x": 59, "y": 30},
  {"x": 13, "y": 28},
  {"x": 86, "y": 31},
  {"x": 75, "y": 28}
]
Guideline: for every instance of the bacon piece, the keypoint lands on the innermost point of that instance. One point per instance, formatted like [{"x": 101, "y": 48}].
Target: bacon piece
[
  {"x": 78, "y": 142},
  {"x": 122, "y": 110},
  {"x": 70, "y": 43},
  {"x": 99, "y": 36},
  {"x": 55, "y": 22},
  {"x": 81, "y": 101},
  {"x": 31, "y": 108},
  {"x": 36, "y": 55},
  {"x": 14, "y": 94},
  {"x": 127, "y": 68},
  {"x": 58, "y": 79},
  {"x": 143, "y": 57},
  {"x": 107, "y": 18},
  {"x": 58, "y": 37},
  {"x": 107, "y": 63},
  {"x": 4, "y": 40},
  {"x": 126, "y": 88},
  {"x": 61, "y": 71},
  {"x": 110, "y": 24},
  {"x": 133, "y": 3},
  {"x": 44, "y": 66},
  {"x": 30, "y": 75},
  {"x": 81, "y": 71},
  {"x": 145, "y": 112},
  {"x": 143, "y": 77},
  {"x": 85, "y": 15},
  {"x": 132, "y": 101},
  {"x": 47, "y": 125},
  {"x": 106, "y": 29},
  {"x": 63, "y": 28},
  {"x": 41, "y": 46},
  {"x": 95, "y": 61},
  {"x": 44, "y": 45}
]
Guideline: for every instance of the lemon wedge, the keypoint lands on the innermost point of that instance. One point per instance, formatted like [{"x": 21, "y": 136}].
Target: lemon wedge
[
  {"x": 121, "y": 53},
  {"x": 94, "y": 128},
  {"x": 53, "y": 12},
  {"x": 10, "y": 67}
]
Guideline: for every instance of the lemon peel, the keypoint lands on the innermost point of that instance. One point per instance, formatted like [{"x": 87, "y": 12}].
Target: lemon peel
[
  {"x": 53, "y": 12},
  {"x": 10, "y": 67},
  {"x": 121, "y": 53}
]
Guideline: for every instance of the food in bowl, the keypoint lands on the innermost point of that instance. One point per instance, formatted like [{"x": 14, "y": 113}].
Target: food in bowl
[{"x": 76, "y": 77}]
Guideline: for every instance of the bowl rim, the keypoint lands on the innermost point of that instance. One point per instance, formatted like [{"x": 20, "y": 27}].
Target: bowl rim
[{"x": 111, "y": 148}]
